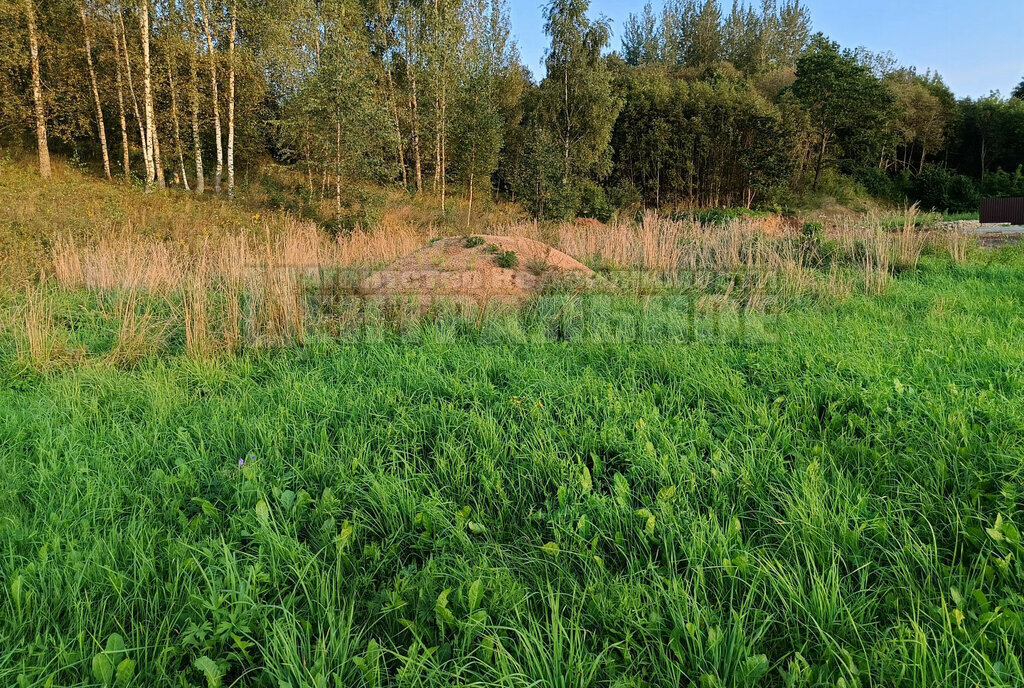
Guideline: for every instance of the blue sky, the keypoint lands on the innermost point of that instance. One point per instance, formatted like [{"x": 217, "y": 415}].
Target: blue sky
[{"x": 977, "y": 45}]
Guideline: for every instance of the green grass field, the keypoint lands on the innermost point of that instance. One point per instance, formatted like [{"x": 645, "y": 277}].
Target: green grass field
[{"x": 826, "y": 496}]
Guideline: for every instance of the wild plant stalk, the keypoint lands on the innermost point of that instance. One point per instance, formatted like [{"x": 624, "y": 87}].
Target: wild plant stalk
[
  {"x": 957, "y": 245},
  {"x": 232, "y": 317},
  {"x": 43, "y": 346},
  {"x": 138, "y": 334},
  {"x": 195, "y": 318}
]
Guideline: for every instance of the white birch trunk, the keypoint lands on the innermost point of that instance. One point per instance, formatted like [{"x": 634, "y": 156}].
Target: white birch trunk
[
  {"x": 146, "y": 158},
  {"x": 231, "y": 102},
  {"x": 177, "y": 126},
  {"x": 216, "y": 103},
  {"x": 95, "y": 93},
  {"x": 37, "y": 93},
  {"x": 125, "y": 149},
  {"x": 194, "y": 104},
  {"x": 156, "y": 170},
  {"x": 413, "y": 105}
]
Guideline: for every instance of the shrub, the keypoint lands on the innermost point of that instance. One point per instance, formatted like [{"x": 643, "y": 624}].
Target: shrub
[
  {"x": 880, "y": 184},
  {"x": 813, "y": 231},
  {"x": 593, "y": 202},
  {"x": 936, "y": 187},
  {"x": 507, "y": 259},
  {"x": 1002, "y": 184},
  {"x": 624, "y": 196},
  {"x": 718, "y": 216},
  {"x": 563, "y": 203},
  {"x": 474, "y": 241}
]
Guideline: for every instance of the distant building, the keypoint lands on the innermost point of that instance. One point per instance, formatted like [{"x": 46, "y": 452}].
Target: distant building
[{"x": 998, "y": 211}]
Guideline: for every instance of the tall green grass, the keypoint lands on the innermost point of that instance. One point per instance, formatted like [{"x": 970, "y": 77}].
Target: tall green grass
[{"x": 827, "y": 496}]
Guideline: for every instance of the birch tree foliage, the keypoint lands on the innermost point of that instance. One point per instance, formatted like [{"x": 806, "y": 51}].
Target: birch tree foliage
[
  {"x": 335, "y": 117},
  {"x": 576, "y": 101}
]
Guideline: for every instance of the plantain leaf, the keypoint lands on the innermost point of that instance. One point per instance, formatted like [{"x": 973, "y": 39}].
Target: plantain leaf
[
  {"x": 476, "y": 594},
  {"x": 102, "y": 668}
]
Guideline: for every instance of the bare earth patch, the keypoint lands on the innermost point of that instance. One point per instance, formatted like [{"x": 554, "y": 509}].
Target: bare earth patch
[{"x": 472, "y": 267}]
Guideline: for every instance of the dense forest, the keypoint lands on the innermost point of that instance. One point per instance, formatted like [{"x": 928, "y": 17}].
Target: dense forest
[{"x": 699, "y": 106}]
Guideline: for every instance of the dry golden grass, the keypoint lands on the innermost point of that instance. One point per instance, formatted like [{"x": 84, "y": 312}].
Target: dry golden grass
[
  {"x": 272, "y": 266},
  {"x": 195, "y": 317},
  {"x": 138, "y": 335},
  {"x": 246, "y": 284},
  {"x": 42, "y": 344},
  {"x": 663, "y": 245},
  {"x": 276, "y": 314},
  {"x": 957, "y": 245}
]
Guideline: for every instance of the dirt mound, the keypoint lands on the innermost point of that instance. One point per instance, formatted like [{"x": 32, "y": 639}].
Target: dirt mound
[{"x": 480, "y": 266}]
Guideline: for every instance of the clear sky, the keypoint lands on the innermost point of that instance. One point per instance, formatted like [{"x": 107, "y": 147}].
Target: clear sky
[{"x": 976, "y": 45}]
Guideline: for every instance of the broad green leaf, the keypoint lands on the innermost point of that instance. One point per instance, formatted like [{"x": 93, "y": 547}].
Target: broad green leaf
[
  {"x": 996, "y": 531},
  {"x": 621, "y": 490},
  {"x": 102, "y": 668},
  {"x": 586, "y": 480},
  {"x": 345, "y": 536},
  {"x": 211, "y": 671},
  {"x": 262, "y": 512},
  {"x": 476, "y": 594},
  {"x": 581, "y": 525},
  {"x": 208, "y": 508},
  {"x": 125, "y": 671},
  {"x": 650, "y": 520},
  {"x": 441, "y": 606},
  {"x": 1011, "y": 533},
  {"x": 16, "y": 585},
  {"x": 753, "y": 668},
  {"x": 115, "y": 646},
  {"x": 551, "y": 549}
]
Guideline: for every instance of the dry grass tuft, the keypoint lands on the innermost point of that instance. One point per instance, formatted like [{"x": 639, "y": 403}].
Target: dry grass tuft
[
  {"x": 138, "y": 336},
  {"x": 42, "y": 346},
  {"x": 957, "y": 245},
  {"x": 195, "y": 317}
]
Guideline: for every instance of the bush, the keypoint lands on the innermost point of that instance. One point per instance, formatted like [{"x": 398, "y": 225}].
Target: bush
[
  {"x": 579, "y": 199},
  {"x": 718, "y": 216},
  {"x": 880, "y": 184},
  {"x": 1002, "y": 184},
  {"x": 625, "y": 196},
  {"x": 474, "y": 241},
  {"x": 562, "y": 203},
  {"x": 593, "y": 202},
  {"x": 813, "y": 231},
  {"x": 936, "y": 187},
  {"x": 507, "y": 259}
]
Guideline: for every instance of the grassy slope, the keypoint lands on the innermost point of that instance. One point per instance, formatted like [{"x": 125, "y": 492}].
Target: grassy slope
[
  {"x": 809, "y": 503},
  {"x": 74, "y": 204}
]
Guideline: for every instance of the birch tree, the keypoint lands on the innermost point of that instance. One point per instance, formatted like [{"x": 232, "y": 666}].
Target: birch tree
[
  {"x": 37, "y": 92},
  {"x": 205, "y": 11},
  {"x": 576, "y": 100},
  {"x": 125, "y": 147},
  {"x": 410, "y": 34},
  {"x": 101, "y": 128},
  {"x": 231, "y": 100},
  {"x": 151, "y": 124},
  {"x": 147, "y": 157},
  {"x": 200, "y": 185}
]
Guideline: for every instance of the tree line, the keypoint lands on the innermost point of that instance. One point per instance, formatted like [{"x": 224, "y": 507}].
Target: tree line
[{"x": 699, "y": 106}]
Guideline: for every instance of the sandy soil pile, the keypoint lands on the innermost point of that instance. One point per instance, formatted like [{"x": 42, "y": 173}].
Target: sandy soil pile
[{"x": 456, "y": 267}]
